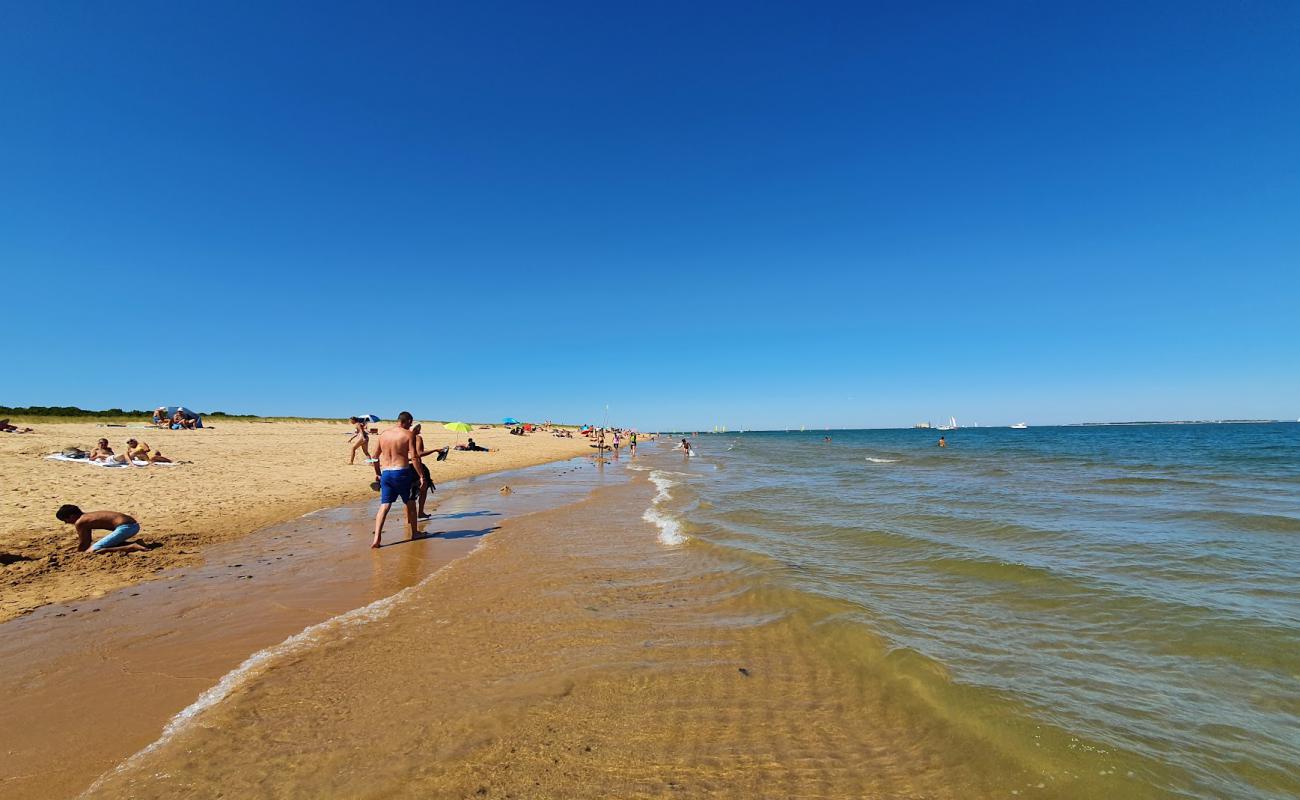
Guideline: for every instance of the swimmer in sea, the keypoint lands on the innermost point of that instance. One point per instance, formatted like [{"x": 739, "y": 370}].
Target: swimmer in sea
[{"x": 942, "y": 442}]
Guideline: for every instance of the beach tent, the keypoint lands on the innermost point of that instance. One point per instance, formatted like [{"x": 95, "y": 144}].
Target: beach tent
[
  {"x": 185, "y": 412},
  {"x": 368, "y": 417}
]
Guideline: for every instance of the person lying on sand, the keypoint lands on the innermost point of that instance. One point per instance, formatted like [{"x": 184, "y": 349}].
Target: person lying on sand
[
  {"x": 139, "y": 451},
  {"x": 473, "y": 447},
  {"x": 102, "y": 452},
  {"x": 5, "y": 427},
  {"x": 123, "y": 527}
]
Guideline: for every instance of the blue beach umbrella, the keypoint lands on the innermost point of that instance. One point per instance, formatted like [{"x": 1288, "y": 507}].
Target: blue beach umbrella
[{"x": 510, "y": 421}]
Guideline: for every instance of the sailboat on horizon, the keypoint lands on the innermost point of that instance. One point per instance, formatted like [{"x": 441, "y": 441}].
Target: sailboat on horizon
[{"x": 951, "y": 426}]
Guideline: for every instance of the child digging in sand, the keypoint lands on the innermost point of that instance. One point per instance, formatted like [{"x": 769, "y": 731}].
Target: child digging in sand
[{"x": 123, "y": 527}]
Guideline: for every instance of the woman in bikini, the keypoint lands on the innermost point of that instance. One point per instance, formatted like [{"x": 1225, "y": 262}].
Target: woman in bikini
[
  {"x": 139, "y": 451},
  {"x": 363, "y": 442}
]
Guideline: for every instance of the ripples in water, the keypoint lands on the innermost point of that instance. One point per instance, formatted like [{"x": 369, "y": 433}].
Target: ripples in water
[{"x": 1134, "y": 590}]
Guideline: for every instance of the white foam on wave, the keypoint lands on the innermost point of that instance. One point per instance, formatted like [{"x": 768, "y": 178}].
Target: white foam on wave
[
  {"x": 882, "y": 460},
  {"x": 670, "y": 528},
  {"x": 257, "y": 664},
  {"x": 663, "y": 483}
]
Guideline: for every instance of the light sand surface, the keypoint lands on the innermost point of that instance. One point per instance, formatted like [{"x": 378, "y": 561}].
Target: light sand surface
[{"x": 242, "y": 476}]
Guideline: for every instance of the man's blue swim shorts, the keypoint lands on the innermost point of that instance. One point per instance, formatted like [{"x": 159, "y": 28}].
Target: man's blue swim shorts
[{"x": 395, "y": 483}]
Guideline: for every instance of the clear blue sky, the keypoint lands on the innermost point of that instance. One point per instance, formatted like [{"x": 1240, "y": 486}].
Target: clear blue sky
[{"x": 757, "y": 215}]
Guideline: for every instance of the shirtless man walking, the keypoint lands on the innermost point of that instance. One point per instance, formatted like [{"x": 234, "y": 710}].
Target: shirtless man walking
[{"x": 400, "y": 472}]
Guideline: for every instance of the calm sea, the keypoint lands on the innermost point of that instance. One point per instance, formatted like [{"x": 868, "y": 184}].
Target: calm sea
[{"x": 1117, "y": 606}]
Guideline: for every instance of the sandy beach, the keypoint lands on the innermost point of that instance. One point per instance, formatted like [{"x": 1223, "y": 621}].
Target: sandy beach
[{"x": 240, "y": 476}]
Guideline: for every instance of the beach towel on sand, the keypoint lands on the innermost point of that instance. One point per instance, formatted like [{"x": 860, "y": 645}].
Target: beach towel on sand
[{"x": 62, "y": 457}]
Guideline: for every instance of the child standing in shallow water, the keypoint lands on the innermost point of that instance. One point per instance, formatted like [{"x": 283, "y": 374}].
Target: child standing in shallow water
[{"x": 123, "y": 527}]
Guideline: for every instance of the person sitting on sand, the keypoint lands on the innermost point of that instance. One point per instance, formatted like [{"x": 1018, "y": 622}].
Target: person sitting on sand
[
  {"x": 5, "y": 427},
  {"x": 123, "y": 527},
  {"x": 160, "y": 416},
  {"x": 363, "y": 442},
  {"x": 474, "y": 447},
  {"x": 182, "y": 422},
  {"x": 139, "y": 451},
  {"x": 102, "y": 452}
]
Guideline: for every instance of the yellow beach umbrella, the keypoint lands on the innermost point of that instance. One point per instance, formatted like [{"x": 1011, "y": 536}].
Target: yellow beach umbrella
[{"x": 459, "y": 427}]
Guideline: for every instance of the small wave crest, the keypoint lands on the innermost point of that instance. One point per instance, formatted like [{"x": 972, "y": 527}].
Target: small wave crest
[
  {"x": 670, "y": 528},
  {"x": 882, "y": 460},
  {"x": 255, "y": 665}
]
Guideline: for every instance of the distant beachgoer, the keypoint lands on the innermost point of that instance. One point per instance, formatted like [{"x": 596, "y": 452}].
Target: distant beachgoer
[
  {"x": 685, "y": 447},
  {"x": 632, "y": 443},
  {"x": 942, "y": 442},
  {"x": 398, "y": 467},
  {"x": 474, "y": 447},
  {"x": 123, "y": 527},
  {"x": 5, "y": 427},
  {"x": 428, "y": 485},
  {"x": 363, "y": 443},
  {"x": 139, "y": 451},
  {"x": 182, "y": 422},
  {"x": 160, "y": 416}
]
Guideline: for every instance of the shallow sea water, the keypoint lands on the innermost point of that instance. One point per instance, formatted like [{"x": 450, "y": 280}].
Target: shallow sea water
[
  {"x": 1054, "y": 612},
  {"x": 1101, "y": 601}
]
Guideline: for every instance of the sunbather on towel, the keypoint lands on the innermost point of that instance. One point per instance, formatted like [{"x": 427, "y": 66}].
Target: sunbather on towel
[
  {"x": 139, "y": 451},
  {"x": 102, "y": 451},
  {"x": 5, "y": 427}
]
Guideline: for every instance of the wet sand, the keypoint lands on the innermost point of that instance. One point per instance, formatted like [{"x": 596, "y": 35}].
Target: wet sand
[
  {"x": 100, "y": 678},
  {"x": 578, "y": 654}
]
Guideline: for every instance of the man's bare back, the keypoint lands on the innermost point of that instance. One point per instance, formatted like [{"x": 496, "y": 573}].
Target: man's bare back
[
  {"x": 394, "y": 449},
  {"x": 104, "y": 520},
  {"x": 399, "y": 469}
]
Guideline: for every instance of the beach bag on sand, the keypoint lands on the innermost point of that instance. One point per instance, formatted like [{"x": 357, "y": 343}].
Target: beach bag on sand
[{"x": 72, "y": 451}]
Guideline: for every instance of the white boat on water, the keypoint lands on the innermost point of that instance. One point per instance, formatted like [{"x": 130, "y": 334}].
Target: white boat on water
[
  {"x": 951, "y": 426},
  {"x": 1019, "y": 426}
]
